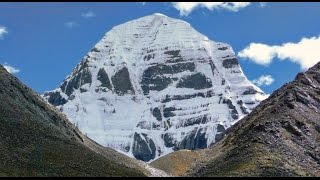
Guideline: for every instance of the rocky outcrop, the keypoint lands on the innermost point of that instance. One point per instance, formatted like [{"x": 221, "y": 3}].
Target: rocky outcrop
[
  {"x": 194, "y": 140},
  {"x": 55, "y": 98},
  {"x": 104, "y": 79},
  {"x": 143, "y": 147}
]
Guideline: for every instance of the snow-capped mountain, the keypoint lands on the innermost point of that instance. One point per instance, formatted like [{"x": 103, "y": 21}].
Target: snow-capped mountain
[{"x": 154, "y": 85}]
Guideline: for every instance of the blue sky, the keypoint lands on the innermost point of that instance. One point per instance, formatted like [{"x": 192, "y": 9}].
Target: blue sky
[{"x": 43, "y": 42}]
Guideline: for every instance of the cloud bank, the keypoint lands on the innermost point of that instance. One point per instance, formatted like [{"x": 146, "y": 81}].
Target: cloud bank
[
  {"x": 306, "y": 52},
  {"x": 186, "y": 8}
]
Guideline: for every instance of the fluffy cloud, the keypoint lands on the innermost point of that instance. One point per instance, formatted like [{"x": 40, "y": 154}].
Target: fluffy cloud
[
  {"x": 3, "y": 31},
  {"x": 306, "y": 52},
  {"x": 259, "y": 53},
  {"x": 71, "y": 24},
  {"x": 186, "y": 7},
  {"x": 11, "y": 69},
  {"x": 89, "y": 14},
  {"x": 264, "y": 80}
]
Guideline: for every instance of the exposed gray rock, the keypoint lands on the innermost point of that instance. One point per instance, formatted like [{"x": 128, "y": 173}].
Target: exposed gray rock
[
  {"x": 104, "y": 79},
  {"x": 122, "y": 83},
  {"x": 168, "y": 112},
  {"x": 194, "y": 140},
  {"x": 80, "y": 78},
  {"x": 195, "y": 81},
  {"x": 143, "y": 148},
  {"x": 221, "y": 132},
  {"x": 168, "y": 139},
  {"x": 153, "y": 78},
  {"x": 182, "y": 97},
  {"x": 250, "y": 91},
  {"x": 234, "y": 112},
  {"x": 157, "y": 114},
  {"x": 174, "y": 56},
  {"x": 222, "y": 48},
  {"x": 242, "y": 107},
  {"x": 229, "y": 63},
  {"x": 55, "y": 98}
]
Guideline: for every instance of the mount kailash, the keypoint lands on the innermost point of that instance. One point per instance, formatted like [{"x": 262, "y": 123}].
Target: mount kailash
[{"x": 154, "y": 85}]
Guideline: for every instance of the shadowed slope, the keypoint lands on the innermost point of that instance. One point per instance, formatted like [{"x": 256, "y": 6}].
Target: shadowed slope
[{"x": 37, "y": 140}]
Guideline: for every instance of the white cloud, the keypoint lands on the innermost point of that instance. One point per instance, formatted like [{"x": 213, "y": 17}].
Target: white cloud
[
  {"x": 11, "y": 69},
  {"x": 3, "y": 31},
  {"x": 259, "y": 53},
  {"x": 264, "y": 80},
  {"x": 306, "y": 52},
  {"x": 187, "y": 7},
  {"x": 71, "y": 24},
  {"x": 88, "y": 14}
]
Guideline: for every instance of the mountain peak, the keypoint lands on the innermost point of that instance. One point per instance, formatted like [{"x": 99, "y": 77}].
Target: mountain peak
[{"x": 154, "y": 85}]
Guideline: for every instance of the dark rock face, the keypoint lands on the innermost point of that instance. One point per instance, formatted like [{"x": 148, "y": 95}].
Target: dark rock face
[
  {"x": 37, "y": 140},
  {"x": 243, "y": 109},
  {"x": 234, "y": 112},
  {"x": 280, "y": 137},
  {"x": 168, "y": 112},
  {"x": 104, "y": 79},
  {"x": 250, "y": 91},
  {"x": 194, "y": 140},
  {"x": 229, "y": 63},
  {"x": 195, "y": 120},
  {"x": 55, "y": 98},
  {"x": 174, "y": 56},
  {"x": 188, "y": 96},
  {"x": 213, "y": 67},
  {"x": 195, "y": 81},
  {"x": 143, "y": 148},
  {"x": 82, "y": 77},
  {"x": 222, "y": 48},
  {"x": 220, "y": 128},
  {"x": 153, "y": 78},
  {"x": 121, "y": 82},
  {"x": 157, "y": 114},
  {"x": 168, "y": 140},
  {"x": 221, "y": 132}
]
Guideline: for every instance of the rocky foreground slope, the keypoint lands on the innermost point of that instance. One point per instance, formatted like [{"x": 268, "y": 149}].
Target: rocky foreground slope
[
  {"x": 37, "y": 140},
  {"x": 154, "y": 85},
  {"x": 280, "y": 137}
]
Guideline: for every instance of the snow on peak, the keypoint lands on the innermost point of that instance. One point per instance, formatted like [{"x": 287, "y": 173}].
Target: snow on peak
[
  {"x": 154, "y": 85},
  {"x": 159, "y": 14}
]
